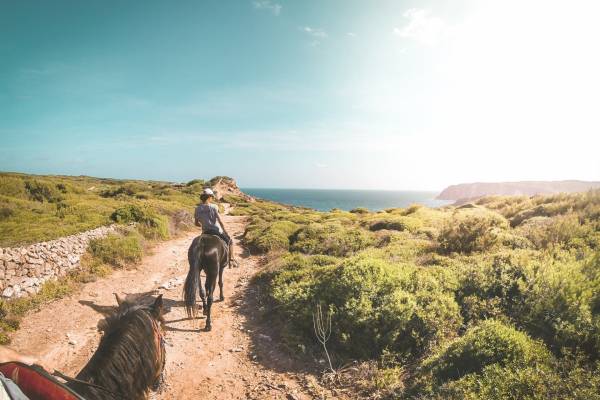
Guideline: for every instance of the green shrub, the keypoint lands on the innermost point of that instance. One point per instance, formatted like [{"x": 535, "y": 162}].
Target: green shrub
[
  {"x": 545, "y": 232},
  {"x": 265, "y": 237},
  {"x": 150, "y": 224},
  {"x": 468, "y": 232},
  {"x": 492, "y": 286},
  {"x": 375, "y": 305},
  {"x": 330, "y": 238},
  {"x": 393, "y": 222},
  {"x": 558, "y": 306},
  {"x": 118, "y": 250},
  {"x": 39, "y": 191},
  {"x": 359, "y": 210},
  {"x": 195, "y": 182},
  {"x": 563, "y": 379},
  {"x": 118, "y": 192},
  {"x": 491, "y": 342}
]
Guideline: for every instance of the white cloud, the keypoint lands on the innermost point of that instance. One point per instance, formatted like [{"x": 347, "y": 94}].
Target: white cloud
[
  {"x": 351, "y": 34},
  {"x": 422, "y": 27},
  {"x": 314, "y": 32},
  {"x": 275, "y": 8}
]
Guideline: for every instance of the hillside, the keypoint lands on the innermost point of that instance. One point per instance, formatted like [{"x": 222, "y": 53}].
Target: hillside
[
  {"x": 495, "y": 300},
  {"x": 527, "y": 188},
  {"x": 35, "y": 208}
]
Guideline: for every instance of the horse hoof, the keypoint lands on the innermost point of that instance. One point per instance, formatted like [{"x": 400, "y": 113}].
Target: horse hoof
[
  {"x": 222, "y": 298},
  {"x": 207, "y": 329}
]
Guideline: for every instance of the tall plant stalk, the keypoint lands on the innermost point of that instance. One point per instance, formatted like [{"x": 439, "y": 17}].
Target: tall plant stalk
[{"x": 322, "y": 327}]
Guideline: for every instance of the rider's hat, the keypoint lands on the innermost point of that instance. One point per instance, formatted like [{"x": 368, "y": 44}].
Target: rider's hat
[{"x": 208, "y": 191}]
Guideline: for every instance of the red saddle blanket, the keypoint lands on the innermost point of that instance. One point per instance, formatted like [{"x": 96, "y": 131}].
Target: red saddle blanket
[{"x": 36, "y": 383}]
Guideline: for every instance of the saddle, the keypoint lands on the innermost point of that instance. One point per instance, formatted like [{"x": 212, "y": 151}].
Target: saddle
[
  {"x": 214, "y": 235},
  {"x": 36, "y": 383},
  {"x": 225, "y": 245}
]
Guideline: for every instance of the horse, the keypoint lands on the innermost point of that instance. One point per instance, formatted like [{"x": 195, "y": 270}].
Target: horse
[
  {"x": 131, "y": 356},
  {"x": 207, "y": 253}
]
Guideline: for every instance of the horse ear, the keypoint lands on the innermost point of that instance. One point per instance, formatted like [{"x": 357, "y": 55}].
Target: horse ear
[
  {"x": 158, "y": 304},
  {"x": 120, "y": 300}
]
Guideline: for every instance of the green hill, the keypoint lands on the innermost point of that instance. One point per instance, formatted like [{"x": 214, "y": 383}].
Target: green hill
[{"x": 36, "y": 208}]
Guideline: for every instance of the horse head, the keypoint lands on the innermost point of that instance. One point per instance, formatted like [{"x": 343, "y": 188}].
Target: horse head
[{"x": 131, "y": 356}]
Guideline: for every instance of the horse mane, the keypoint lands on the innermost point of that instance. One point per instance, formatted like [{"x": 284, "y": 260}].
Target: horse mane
[{"x": 127, "y": 361}]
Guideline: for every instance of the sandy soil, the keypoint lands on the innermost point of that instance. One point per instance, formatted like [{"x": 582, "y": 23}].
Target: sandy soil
[{"x": 238, "y": 359}]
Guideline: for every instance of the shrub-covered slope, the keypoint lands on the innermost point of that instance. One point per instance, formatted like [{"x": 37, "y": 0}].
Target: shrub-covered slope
[
  {"x": 499, "y": 299},
  {"x": 37, "y": 208}
]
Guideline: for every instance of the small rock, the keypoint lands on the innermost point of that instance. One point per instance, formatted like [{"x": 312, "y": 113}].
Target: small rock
[{"x": 8, "y": 292}]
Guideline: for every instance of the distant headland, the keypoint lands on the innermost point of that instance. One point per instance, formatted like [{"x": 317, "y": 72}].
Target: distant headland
[{"x": 466, "y": 191}]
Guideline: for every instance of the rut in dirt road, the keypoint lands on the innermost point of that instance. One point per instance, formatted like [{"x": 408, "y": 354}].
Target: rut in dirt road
[{"x": 238, "y": 359}]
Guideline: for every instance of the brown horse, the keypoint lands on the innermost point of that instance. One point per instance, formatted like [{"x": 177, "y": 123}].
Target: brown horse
[
  {"x": 131, "y": 355},
  {"x": 207, "y": 253}
]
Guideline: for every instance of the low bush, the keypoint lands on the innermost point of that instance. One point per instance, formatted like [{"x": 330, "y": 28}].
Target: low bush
[
  {"x": 118, "y": 192},
  {"x": 491, "y": 342},
  {"x": 359, "y": 210},
  {"x": 118, "y": 250},
  {"x": 195, "y": 182},
  {"x": 150, "y": 224},
  {"x": 560, "y": 306},
  {"x": 267, "y": 236},
  {"x": 39, "y": 191},
  {"x": 331, "y": 238},
  {"x": 470, "y": 231},
  {"x": 393, "y": 222},
  {"x": 562, "y": 231},
  {"x": 375, "y": 305},
  {"x": 535, "y": 382}
]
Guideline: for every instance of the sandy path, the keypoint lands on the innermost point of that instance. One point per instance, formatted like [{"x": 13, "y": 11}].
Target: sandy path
[{"x": 238, "y": 359}]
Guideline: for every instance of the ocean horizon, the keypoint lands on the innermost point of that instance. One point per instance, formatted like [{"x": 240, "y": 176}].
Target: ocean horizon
[{"x": 348, "y": 199}]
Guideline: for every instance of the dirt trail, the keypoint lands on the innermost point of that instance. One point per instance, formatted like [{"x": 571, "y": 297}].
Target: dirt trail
[{"x": 238, "y": 359}]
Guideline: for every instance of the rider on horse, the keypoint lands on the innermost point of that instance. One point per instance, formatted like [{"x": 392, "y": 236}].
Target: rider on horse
[{"x": 206, "y": 216}]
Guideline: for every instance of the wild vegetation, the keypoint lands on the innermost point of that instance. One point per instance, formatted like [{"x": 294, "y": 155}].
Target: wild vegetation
[
  {"x": 499, "y": 299},
  {"x": 39, "y": 208}
]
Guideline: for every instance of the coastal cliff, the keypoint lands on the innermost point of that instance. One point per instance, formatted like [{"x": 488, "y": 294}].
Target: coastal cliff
[{"x": 527, "y": 188}]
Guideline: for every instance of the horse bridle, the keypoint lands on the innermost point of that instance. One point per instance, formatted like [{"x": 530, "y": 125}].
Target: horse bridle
[{"x": 160, "y": 341}]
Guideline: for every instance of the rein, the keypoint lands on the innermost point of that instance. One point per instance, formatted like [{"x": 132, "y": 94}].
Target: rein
[{"x": 90, "y": 384}]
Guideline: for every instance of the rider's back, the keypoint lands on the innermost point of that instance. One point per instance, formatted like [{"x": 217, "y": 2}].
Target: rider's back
[{"x": 207, "y": 214}]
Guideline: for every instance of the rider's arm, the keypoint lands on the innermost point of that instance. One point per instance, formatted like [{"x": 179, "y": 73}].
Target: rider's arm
[{"x": 221, "y": 222}]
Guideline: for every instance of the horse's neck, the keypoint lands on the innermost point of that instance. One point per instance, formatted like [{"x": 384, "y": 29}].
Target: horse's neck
[
  {"x": 92, "y": 373},
  {"x": 113, "y": 368}
]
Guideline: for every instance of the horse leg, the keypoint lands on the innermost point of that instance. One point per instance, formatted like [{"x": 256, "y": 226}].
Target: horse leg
[
  {"x": 202, "y": 295},
  {"x": 211, "y": 283},
  {"x": 221, "y": 297}
]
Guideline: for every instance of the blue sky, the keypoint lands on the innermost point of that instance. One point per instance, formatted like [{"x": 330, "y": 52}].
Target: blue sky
[{"x": 321, "y": 94}]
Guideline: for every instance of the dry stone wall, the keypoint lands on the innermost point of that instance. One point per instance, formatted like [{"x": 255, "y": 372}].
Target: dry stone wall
[{"x": 24, "y": 269}]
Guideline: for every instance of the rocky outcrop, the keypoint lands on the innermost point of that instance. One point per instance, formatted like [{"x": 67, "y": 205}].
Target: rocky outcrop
[
  {"x": 223, "y": 186},
  {"x": 527, "y": 188},
  {"x": 24, "y": 269}
]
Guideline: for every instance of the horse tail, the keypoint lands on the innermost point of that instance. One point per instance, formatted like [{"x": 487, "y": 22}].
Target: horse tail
[{"x": 192, "y": 281}]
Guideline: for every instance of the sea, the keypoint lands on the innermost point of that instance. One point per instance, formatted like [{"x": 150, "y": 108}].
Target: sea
[{"x": 326, "y": 199}]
